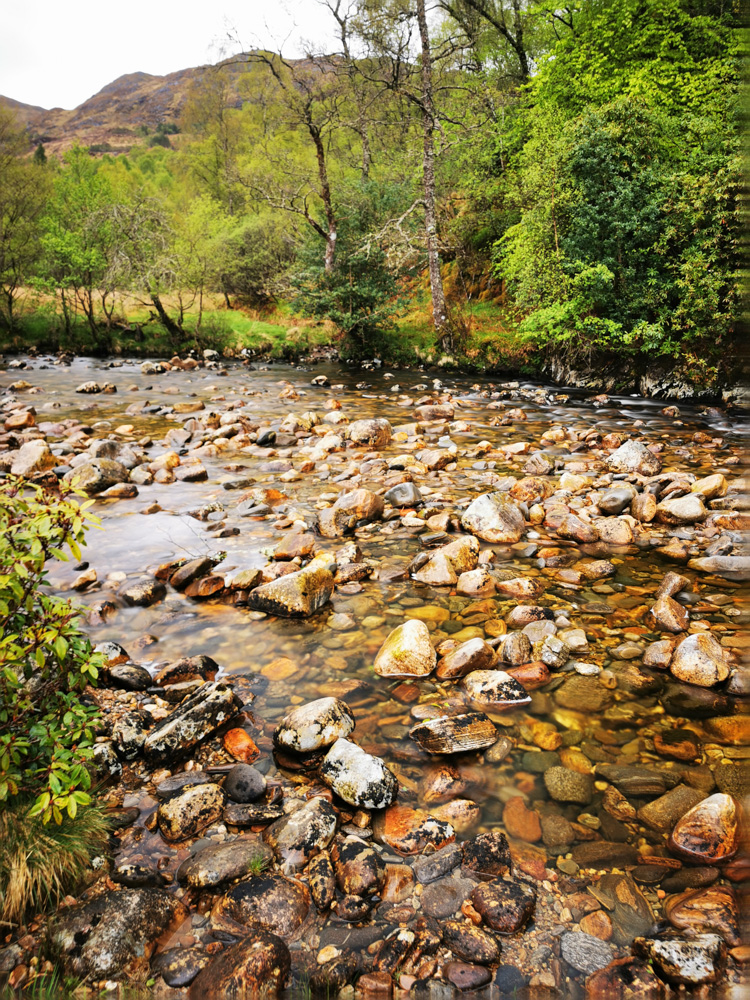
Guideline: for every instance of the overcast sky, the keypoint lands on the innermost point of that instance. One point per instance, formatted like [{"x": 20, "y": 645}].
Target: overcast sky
[{"x": 57, "y": 53}]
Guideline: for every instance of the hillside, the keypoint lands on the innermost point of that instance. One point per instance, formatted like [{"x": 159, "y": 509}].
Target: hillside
[{"x": 118, "y": 110}]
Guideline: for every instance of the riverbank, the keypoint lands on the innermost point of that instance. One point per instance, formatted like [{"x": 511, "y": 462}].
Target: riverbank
[{"x": 411, "y": 687}]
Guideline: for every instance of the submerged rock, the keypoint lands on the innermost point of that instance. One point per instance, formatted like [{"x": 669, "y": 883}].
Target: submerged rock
[
  {"x": 506, "y": 906},
  {"x": 357, "y": 777},
  {"x": 707, "y": 833},
  {"x": 683, "y": 962},
  {"x": 494, "y": 688}
]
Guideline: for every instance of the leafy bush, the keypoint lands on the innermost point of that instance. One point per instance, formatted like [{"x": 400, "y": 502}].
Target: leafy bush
[
  {"x": 46, "y": 661},
  {"x": 359, "y": 295}
]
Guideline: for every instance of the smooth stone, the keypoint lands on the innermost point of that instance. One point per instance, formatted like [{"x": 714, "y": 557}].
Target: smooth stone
[
  {"x": 357, "y": 777},
  {"x": 494, "y": 688},
  {"x": 178, "y": 967},
  {"x": 300, "y": 835},
  {"x": 190, "y": 811},
  {"x": 410, "y": 831},
  {"x": 273, "y": 902},
  {"x": 406, "y": 652},
  {"x": 708, "y": 832},
  {"x": 295, "y": 595},
  {"x": 699, "y": 659},
  {"x": 565, "y": 785},
  {"x": 494, "y": 517},
  {"x": 430, "y": 867},
  {"x": 219, "y": 863},
  {"x": 445, "y": 896},
  {"x": 506, "y": 906},
  {"x": 257, "y": 966},
  {"x": 314, "y": 725},
  {"x": 470, "y": 943},
  {"x": 684, "y": 962},
  {"x": 634, "y": 456},
  {"x": 585, "y": 953},
  {"x": 664, "y": 812},
  {"x": 244, "y": 783},
  {"x": 403, "y": 495},
  {"x": 359, "y": 869},
  {"x": 196, "y": 718}
]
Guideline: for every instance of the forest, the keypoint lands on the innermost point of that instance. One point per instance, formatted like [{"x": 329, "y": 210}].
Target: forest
[{"x": 484, "y": 182}]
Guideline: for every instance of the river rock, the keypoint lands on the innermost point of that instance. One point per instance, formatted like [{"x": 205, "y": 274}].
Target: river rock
[
  {"x": 438, "y": 571},
  {"x": 273, "y": 902},
  {"x": 314, "y": 725},
  {"x": 663, "y": 813},
  {"x": 474, "y": 654},
  {"x": 445, "y": 897},
  {"x": 31, "y": 457},
  {"x": 358, "y": 867},
  {"x": 616, "y": 500},
  {"x": 565, "y": 785},
  {"x": 683, "y": 962},
  {"x": 114, "y": 934},
  {"x": 300, "y": 835},
  {"x": 576, "y": 529},
  {"x": 455, "y": 733},
  {"x": 257, "y": 966},
  {"x": 494, "y": 518},
  {"x": 192, "y": 810},
  {"x": 409, "y": 831},
  {"x": 583, "y": 694},
  {"x": 358, "y": 777},
  {"x": 630, "y": 912},
  {"x": 494, "y": 688},
  {"x": 191, "y": 571},
  {"x": 407, "y": 652},
  {"x": 178, "y": 967},
  {"x": 505, "y": 905},
  {"x": 295, "y": 595},
  {"x": 714, "y": 909},
  {"x": 219, "y": 863},
  {"x": 143, "y": 593},
  {"x": 487, "y": 856},
  {"x": 669, "y": 616},
  {"x": 192, "y": 721},
  {"x": 348, "y": 511},
  {"x": 433, "y": 866},
  {"x": 97, "y": 475},
  {"x": 244, "y": 783},
  {"x": 403, "y": 495},
  {"x": 322, "y": 880},
  {"x": 604, "y": 854},
  {"x": 470, "y": 943},
  {"x": 624, "y": 979},
  {"x": 707, "y": 833},
  {"x": 585, "y": 953},
  {"x": 681, "y": 510},
  {"x": 633, "y": 456},
  {"x": 699, "y": 659},
  {"x": 375, "y": 431}
]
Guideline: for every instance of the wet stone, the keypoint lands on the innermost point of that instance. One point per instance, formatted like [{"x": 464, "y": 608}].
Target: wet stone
[
  {"x": 689, "y": 878},
  {"x": 409, "y": 831},
  {"x": 358, "y": 867},
  {"x": 604, "y": 854},
  {"x": 433, "y": 866},
  {"x": 407, "y": 652},
  {"x": 190, "y": 811},
  {"x": 663, "y": 813},
  {"x": 683, "y": 962},
  {"x": 196, "y": 718},
  {"x": 506, "y": 906},
  {"x": 487, "y": 855},
  {"x": 403, "y": 495},
  {"x": 565, "y": 785},
  {"x": 712, "y": 909},
  {"x": 178, "y": 967},
  {"x": 494, "y": 518},
  {"x": 300, "y": 835},
  {"x": 449, "y": 734},
  {"x": 584, "y": 952},
  {"x": 295, "y": 595},
  {"x": 244, "y": 783},
  {"x": 357, "y": 777},
  {"x": 217, "y": 864},
  {"x": 707, "y": 833},
  {"x": 259, "y": 965},
  {"x": 467, "y": 977},
  {"x": 273, "y": 902},
  {"x": 470, "y": 943},
  {"x": 322, "y": 881},
  {"x": 445, "y": 896},
  {"x": 494, "y": 688},
  {"x": 314, "y": 725}
]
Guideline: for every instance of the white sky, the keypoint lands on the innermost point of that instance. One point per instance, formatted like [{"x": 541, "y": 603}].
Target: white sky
[{"x": 57, "y": 53}]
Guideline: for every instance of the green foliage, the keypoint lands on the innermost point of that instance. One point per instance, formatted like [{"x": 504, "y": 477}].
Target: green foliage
[
  {"x": 46, "y": 660},
  {"x": 159, "y": 139},
  {"x": 358, "y": 295}
]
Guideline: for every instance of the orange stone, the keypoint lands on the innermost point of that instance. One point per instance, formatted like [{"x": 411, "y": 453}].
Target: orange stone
[
  {"x": 598, "y": 924},
  {"x": 241, "y": 746},
  {"x": 520, "y": 821},
  {"x": 280, "y": 669},
  {"x": 707, "y": 833}
]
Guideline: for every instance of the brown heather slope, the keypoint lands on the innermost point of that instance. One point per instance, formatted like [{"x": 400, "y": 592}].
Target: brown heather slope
[{"x": 115, "y": 113}]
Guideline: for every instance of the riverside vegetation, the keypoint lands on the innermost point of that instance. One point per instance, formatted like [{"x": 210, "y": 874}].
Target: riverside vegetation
[
  {"x": 397, "y": 689},
  {"x": 500, "y": 184}
]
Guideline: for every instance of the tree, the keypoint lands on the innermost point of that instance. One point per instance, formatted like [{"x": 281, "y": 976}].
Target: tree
[{"x": 24, "y": 188}]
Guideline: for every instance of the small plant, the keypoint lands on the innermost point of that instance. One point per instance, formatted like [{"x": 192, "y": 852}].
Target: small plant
[{"x": 258, "y": 864}]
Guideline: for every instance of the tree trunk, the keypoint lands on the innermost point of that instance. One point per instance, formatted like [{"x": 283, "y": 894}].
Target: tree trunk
[
  {"x": 325, "y": 196},
  {"x": 439, "y": 308},
  {"x": 166, "y": 321},
  {"x": 519, "y": 46}
]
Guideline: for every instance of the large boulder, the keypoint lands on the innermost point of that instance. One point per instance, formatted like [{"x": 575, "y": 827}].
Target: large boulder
[
  {"x": 375, "y": 431},
  {"x": 495, "y": 518},
  {"x": 34, "y": 456},
  {"x": 97, "y": 475},
  {"x": 296, "y": 595},
  {"x": 114, "y": 935},
  {"x": 257, "y": 966},
  {"x": 634, "y": 456}
]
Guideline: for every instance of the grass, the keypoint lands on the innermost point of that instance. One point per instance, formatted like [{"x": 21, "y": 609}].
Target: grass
[{"x": 40, "y": 864}]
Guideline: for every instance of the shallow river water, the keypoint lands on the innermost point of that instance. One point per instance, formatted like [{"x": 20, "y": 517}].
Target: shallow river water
[{"x": 603, "y": 708}]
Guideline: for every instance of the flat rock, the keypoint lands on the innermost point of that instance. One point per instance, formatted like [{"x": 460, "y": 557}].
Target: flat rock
[
  {"x": 664, "y": 812},
  {"x": 449, "y": 734},
  {"x": 494, "y": 688},
  {"x": 634, "y": 456},
  {"x": 409, "y": 831},
  {"x": 584, "y": 952},
  {"x": 445, "y": 897},
  {"x": 217, "y": 864},
  {"x": 295, "y": 595}
]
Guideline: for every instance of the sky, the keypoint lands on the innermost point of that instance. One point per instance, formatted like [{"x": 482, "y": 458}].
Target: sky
[{"x": 57, "y": 53}]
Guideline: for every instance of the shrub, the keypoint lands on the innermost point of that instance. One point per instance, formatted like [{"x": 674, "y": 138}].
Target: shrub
[{"x": 46, "y": 735}]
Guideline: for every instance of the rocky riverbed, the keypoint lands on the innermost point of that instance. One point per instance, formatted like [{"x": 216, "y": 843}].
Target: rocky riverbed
[{"x": 413, "y": 688}]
